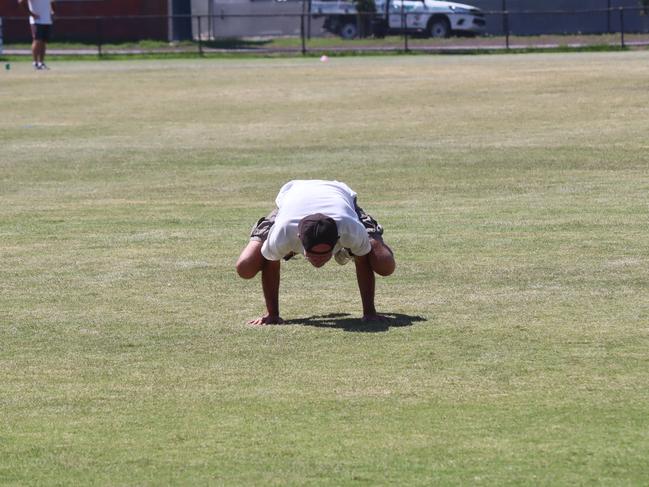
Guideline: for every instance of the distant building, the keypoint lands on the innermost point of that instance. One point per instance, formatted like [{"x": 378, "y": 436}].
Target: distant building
[{"x": 108, "y": 20}]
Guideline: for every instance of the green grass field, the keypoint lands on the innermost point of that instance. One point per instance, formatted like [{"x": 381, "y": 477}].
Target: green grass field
[{"x": 513, "y": 189}]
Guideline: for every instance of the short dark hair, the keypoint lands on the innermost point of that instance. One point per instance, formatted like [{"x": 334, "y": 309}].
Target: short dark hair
[{"x": 317, "y": 229}]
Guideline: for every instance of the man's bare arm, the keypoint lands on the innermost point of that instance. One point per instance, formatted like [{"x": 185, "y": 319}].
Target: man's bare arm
[
  {"x": 270, "y": 278},
  {"x": 25, "y": 5},
  {"x": 366, "y": 285}
]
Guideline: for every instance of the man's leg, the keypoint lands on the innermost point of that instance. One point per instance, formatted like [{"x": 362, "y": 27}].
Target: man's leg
[
  {"x": 379, "y": 260},
  {"x": 37, "y": 43},
  {"x": 42, "y": 53},
  {"x": 36, "y": 51},
  {"x": 251, "y": 261},
  {"x": 381, "y": 257},
  {"x": 40, "y": 36},
  {"x": 34, "y": 44}
]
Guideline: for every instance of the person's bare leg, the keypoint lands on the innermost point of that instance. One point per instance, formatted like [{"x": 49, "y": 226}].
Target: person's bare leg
[
  {"x": 35, "y": 51},
  {"x": 381, "y": 258},
  {"x": 250, "y": 262},
  {"x": 43, "y": 48}
]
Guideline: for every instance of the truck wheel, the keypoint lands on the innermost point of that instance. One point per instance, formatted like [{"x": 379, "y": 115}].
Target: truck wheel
[
  {"x": 439, "y": 28},
  {"x": 348, "y": 30}
]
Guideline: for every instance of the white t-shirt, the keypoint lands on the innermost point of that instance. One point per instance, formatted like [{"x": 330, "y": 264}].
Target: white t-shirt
[
  {"x": 44, "y": 10},
  {"x": 300, "y": 198}
]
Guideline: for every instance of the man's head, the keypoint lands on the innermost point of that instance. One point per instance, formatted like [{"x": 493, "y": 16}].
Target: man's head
[{"x": 318, "y": 234}]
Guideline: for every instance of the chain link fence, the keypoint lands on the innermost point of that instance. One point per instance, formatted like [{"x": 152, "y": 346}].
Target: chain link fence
[{"x": 291, "y": 27}]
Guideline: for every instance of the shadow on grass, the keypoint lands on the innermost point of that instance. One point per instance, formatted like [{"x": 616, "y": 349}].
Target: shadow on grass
[{"x": 346, "y": 322}]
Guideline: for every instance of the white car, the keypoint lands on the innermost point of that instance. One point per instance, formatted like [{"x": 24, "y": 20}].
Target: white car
[{"x": 430, "y": 17}]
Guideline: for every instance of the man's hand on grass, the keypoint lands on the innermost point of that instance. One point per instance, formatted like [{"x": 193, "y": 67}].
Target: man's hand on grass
[
  {"x": 267, "y": 320},
  {"x": 375, "y": 318}
]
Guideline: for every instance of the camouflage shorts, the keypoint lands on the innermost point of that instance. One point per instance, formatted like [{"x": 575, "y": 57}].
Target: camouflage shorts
[{"x": 260, "y": 229}]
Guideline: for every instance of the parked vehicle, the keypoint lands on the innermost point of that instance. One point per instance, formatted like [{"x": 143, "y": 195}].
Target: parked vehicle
[{"x": 433, "y": 18}]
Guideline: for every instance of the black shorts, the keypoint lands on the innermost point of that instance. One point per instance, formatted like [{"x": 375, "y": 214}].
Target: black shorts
[
  {"x": 262, "y": 227},
  {"x": 41, "y": 32}
]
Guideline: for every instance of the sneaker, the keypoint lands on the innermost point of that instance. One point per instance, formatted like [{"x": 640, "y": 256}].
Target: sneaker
[
  {"x": 36, "y": 65},
  {"x": 343, "y": 256},
  {"x": 43, "y": 67}
]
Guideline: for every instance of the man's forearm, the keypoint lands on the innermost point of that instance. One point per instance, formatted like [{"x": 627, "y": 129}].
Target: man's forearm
[
  {"x": 270, "y": 274},
  {"x": 366, "y": 283},
  {"x": 25, "y": 6}
]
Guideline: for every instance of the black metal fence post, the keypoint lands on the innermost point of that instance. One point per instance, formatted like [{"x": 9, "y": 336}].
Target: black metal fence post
[
  {"x": 99, "y": 36},
  {"x": 302, "y": 33},
  {"x": 405, "y": 34},
  {"x": 608, "y": 16},
  {"x": 506, "y": 27},
  {"x": 622, "y": 27},
  {"x": 309, "y": 20},
  {"x": 403, "y": 27},
  {"x": 306, "y": 10},
  {"x": 210, "y": 21},
  {"x": 200, "y": 37}
]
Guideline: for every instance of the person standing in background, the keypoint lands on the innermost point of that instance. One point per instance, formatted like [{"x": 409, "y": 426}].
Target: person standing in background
[{"x": 40, "y": 20}]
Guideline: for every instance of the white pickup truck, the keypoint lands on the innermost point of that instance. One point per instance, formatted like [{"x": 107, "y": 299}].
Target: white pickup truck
[{"x": 429, "y": 17}]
